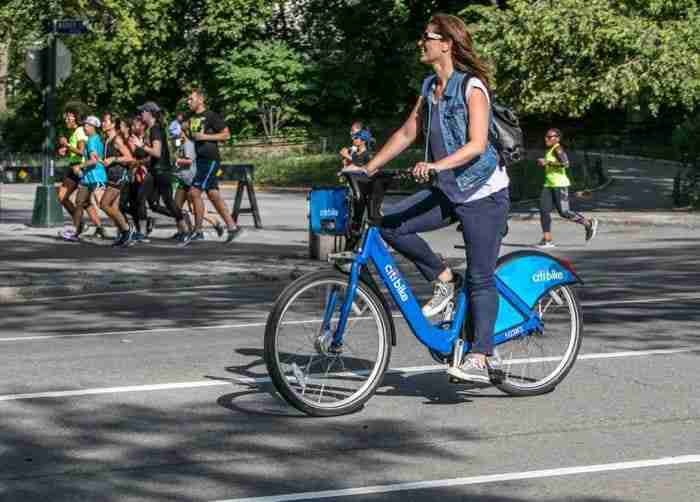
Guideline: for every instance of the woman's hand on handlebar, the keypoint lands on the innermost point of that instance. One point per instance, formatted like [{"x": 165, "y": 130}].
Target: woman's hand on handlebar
[{"x": 422, "y": 171}]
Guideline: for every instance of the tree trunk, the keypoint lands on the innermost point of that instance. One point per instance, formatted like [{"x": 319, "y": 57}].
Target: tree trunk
[{"x": 4, "y": 63}]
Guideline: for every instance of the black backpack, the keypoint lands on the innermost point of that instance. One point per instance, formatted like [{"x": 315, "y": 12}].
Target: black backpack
[
  {"x": 506, "y": 134},
  {"x": 509, "y": 139}
]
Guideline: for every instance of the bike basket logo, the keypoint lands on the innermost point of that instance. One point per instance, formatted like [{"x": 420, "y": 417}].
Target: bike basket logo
[
  {"x": 328, "y": 213},
  {"x": 547, "y": 275},
  {"x": 396, "y": 281}
]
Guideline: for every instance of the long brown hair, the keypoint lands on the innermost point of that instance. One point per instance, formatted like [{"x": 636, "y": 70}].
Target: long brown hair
[{"x": 463, "y": 55}]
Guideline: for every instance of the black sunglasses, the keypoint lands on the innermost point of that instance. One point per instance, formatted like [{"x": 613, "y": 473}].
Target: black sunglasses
[{"x": 429, "y": 35}]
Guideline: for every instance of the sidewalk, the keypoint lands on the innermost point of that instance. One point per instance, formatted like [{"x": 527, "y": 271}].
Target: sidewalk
[
  {"x": 34, "y": 262},
  {"x": 639, "y": 194}
]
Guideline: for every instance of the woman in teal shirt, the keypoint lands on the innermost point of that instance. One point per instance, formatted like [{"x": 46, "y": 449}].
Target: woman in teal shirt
[{"x": 93, "y": 177}]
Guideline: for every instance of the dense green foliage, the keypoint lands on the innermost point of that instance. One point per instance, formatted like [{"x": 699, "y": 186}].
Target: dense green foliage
[
  {"x": 322, "y": 63},
  {"x": 570, "y": 56}
]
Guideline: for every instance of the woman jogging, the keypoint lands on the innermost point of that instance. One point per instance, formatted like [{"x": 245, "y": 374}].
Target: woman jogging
[
  {"x": 555, "y": 193},
  {"x": 117, "y": 155},
  {"x": 73, "y": 148},
  {"x": 141, "y": 184},
  {"x": 454, "y": 114},
  {"x": 93, "y": 178}
]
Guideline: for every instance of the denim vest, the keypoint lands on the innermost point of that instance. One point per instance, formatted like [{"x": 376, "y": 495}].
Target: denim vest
[{"x": 461, "y": 183}]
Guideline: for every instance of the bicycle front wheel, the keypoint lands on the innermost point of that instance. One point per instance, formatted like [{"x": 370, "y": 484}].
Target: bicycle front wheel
[
  {"x": 536, "y": 363},
  {"x": 313, "y": 371}
]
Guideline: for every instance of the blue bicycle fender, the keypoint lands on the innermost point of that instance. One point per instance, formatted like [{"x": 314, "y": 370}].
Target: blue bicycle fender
[{"x": 529, "y": 274}]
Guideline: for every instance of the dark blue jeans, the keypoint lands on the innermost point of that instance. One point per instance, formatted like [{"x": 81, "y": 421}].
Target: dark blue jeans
[{"x": 483, "y": 222}]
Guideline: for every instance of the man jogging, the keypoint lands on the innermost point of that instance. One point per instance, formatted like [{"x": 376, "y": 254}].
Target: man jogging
[{"x": 207, "y": 130}]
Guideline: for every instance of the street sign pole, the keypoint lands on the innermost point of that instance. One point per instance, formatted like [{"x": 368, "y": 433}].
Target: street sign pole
[{"x": 47, "y": 209}]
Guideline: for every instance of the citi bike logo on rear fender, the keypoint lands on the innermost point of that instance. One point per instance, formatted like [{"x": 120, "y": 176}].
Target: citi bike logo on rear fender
[
  {"x": 547, "y": 275},
  {"x": 396, "y": 281}
]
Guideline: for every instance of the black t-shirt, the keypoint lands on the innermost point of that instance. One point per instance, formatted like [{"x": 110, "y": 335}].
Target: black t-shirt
[
  {"x": 208, "y": 123},
  {"x": 361, "y": 159},
  {"x": 156, "y": 133}
]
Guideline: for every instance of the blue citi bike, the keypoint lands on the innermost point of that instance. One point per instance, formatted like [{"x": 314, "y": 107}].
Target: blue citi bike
[{"x": 329, "y": 336}]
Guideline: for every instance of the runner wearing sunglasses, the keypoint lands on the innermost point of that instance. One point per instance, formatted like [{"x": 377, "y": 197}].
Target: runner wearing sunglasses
[{"x": 555, "y": 193}]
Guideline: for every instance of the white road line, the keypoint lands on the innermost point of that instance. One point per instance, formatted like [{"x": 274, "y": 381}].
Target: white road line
[
  {"x": 478, "y": 480},
  {"x": 260, "y": 380},
  {"x": 33, "y": 338}
]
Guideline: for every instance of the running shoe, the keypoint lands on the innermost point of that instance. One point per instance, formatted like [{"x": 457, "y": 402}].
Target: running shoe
[
  {"x": 119, "y": 239},
  {"x": 177, "y": 236},
  {"x": 234, "y": 234},
  {"x": 591, "y": 229},
  {"x": 192, "y": 237},
  {"x": 80, "y": 229},
  {"x": 70, "y": 235},
  {"x": 100, "y": 233},
  {"x": 126, "y": 238},
  {"x": 219, "y": 230},
  {"x": 442, "y": 294},
  {"x": 545, "y": 244},
  {"x": 150, "y": 225},
  {"x": 139, "y": 237},
  {"x": 470, "y": 371}
]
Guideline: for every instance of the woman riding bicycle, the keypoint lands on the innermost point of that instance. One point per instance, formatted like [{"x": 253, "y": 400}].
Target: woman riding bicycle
[{"x": 454, "y": 114}]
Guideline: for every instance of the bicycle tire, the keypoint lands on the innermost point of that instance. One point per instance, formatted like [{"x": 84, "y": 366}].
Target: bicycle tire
[
  {"x": 521, "y": 384},
  {"x": 285, "y": 366}
]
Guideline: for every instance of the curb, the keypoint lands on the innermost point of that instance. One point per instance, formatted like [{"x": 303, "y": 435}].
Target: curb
[
  {"x": 594, "y": 189},
  {"x": 655, "y": 220}
]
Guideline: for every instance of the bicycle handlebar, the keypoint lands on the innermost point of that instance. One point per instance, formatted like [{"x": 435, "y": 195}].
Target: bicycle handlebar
[{"x": 376, "y": 187}]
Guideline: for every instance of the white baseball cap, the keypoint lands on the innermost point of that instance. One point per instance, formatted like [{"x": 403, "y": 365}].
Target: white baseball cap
[{"x": 93, "y": 121}]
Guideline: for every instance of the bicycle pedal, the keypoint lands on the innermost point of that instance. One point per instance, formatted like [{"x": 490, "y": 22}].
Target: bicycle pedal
[{"x": 345, "y": 255}]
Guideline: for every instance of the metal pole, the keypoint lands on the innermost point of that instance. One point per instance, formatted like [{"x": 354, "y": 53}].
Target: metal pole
[{"x": 47, "y": 210}]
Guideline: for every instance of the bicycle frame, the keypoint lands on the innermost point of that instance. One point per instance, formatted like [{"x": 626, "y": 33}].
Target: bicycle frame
[{"x": 434, "y": 336}]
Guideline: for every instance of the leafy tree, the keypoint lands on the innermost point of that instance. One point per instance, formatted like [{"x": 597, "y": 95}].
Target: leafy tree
[
  {"x": 570, "y": 56},
  {"x": 267, "y": 80}
]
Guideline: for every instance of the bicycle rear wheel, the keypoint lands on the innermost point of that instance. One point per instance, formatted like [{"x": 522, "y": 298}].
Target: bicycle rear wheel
[
  {"x": 535, "y": 364},
  {"x": 306, "y": 367}
]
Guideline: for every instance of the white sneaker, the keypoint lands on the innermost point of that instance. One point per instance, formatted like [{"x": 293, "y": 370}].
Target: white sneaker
[
  {"x": 442, "y": 294},
  {"x": 470, "y": 371},
  {"x": 543, "y": 244}
]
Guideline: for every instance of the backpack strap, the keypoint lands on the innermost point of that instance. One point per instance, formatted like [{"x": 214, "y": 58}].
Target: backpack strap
[{"x": 493, "y": 135}]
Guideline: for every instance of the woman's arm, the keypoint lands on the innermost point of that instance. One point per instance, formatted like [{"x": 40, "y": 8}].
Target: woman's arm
[
  {"x": 79, "y": 148},
  {"x": 124, "y": 152},
  {"x": 155, "y": 150},
  {"x": 399, "y": 141}
]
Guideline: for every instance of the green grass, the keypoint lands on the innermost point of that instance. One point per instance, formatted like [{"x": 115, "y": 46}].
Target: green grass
[{"x": 309, "y": 170}]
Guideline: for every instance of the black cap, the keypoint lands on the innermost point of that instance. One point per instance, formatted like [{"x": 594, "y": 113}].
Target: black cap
[{"x": 149, "y": 106}]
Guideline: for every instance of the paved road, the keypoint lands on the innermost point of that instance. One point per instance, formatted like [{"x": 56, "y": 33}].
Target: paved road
[{"x": 163, "y": 395}]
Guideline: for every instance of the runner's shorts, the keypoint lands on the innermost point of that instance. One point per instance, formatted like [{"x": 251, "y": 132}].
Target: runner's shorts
[
  {"x": 70, "y": 175},
  {"x": 117, "y": 176},
  {"x": 206, "y": 177}
]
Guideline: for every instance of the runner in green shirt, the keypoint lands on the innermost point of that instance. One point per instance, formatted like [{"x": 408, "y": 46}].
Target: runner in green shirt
[
  {"x": 73, "y": 148},
  {"x": 555, "y": 193}
]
